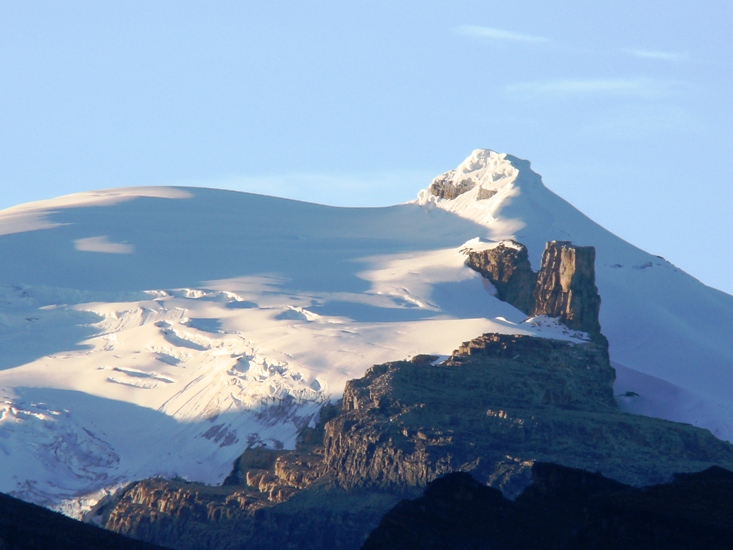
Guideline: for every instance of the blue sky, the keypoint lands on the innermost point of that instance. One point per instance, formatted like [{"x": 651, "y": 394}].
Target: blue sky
[{"x": 625, "y": 108}]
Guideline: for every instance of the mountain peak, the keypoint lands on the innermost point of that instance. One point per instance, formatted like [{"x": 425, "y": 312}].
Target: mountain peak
[
  {"x": 483, "y": 174},
  {"x": 483, "y": 161}
]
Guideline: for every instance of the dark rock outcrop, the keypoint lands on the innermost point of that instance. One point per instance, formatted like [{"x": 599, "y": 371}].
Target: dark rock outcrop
[
  {"x": 193, "y": 516},
  {"x": 261, "y": 505},
  {"x": 507, "y": 267},
  {"x": 496, "y": 407},
  {"x": 484, "y": 193},
  {"x": 25, "y": 526},
  {"x": 444, "y": 188},
  {"x": 499, "y": 404},
  {"x": 564, "y": 508},
  {"x": 566, "y": 286}
]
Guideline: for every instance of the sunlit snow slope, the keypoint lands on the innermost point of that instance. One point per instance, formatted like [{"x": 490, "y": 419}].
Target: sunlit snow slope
[{"x": 159, "y": 331}]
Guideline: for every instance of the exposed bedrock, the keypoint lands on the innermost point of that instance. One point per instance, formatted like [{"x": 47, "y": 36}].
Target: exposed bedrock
[
  {"x": 507, "y": 267},
  {"x": 271, "y": 499},
  {"x": 564, "y": 287},
  {"x": 497, "y": 406},
  {"x": 445, "y": 188}
]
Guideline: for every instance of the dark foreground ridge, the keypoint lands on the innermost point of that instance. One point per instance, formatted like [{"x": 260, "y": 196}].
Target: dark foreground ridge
[
  {"x": 564, "y": 509},
  {"x": 25, "y": 526},
  {"x": 499, "y": 405}
]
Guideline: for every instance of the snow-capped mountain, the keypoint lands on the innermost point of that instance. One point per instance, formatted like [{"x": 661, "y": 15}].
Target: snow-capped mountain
[{"x": 160, "y": 331}]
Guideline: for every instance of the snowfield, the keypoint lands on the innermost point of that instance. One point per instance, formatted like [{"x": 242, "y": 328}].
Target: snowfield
[{"x": 160, "y": 331}]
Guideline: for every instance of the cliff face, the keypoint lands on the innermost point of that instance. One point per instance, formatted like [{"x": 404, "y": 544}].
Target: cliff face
[
  {"x": 498, "y": 405},
  {"x": 507, "y": 267},
  {"x": 193, "y": 516},
  {"x": 564, "y": 287},
  {"x": 263, "y": 504}
]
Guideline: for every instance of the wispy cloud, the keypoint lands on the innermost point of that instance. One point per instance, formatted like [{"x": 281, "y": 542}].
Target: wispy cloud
[
  {"x": 498, "y": 34},
  {"x": 628, "y": 87},
  {"x": 657, "y": 55},
  {"x": 640, "y": 123}
]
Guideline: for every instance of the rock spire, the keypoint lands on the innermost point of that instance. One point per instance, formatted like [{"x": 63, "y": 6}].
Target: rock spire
[{"x": 564, "y": 287}]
